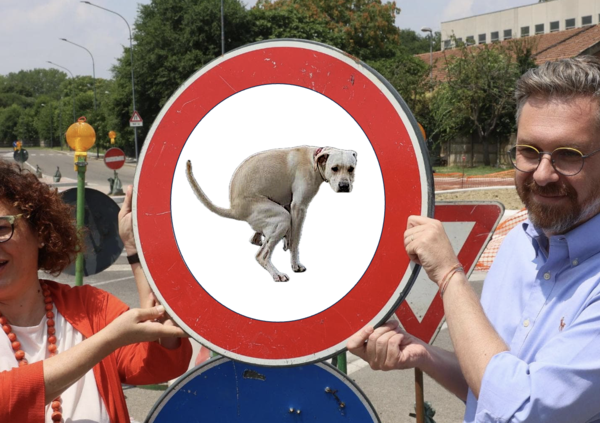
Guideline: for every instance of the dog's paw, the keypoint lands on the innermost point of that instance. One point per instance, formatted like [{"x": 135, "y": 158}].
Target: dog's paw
[
  {"x": 280, "y": 277},
  {"x": 298, "y": 268}
]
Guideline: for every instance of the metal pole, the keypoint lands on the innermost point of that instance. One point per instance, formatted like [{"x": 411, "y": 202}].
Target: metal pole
[
  {"x": 72, "y": 86},
  {"x": 222, "y": 29},
  {"x": 431, "y": 58},
  {"x": 420, "y": 403},
  {"x": 79, "y": 263},
  {"x": 60, "y": 134},
  {"x": 132, "y": 78},
  {"x": 342, "y": 363}
]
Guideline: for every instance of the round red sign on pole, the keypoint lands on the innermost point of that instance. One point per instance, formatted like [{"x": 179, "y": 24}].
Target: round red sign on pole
[
  {"x": 114, "y": 158},
  {"x": 276, "y": 97}
]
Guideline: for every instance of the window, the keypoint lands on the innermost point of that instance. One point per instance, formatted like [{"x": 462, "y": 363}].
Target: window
[
  {"x": 570, "y": 23},
  {"x": 524, "y": 31},
  {"x": 459, "y": 41},
  {"x": 507, "y": 34},
  {"x": 495, "y": 36},
  {"x": 539, "y": 29},
  {"x": 482, "y": 38},
  {"x": 586, "y": 20},
  {"x": 470, "y": 40},
  {"x": 554, "y": 26},
  {"x": 447, "y": 44}
]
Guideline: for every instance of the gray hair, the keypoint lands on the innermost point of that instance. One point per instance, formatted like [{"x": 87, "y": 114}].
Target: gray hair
[{"x": 560, "y": 80}]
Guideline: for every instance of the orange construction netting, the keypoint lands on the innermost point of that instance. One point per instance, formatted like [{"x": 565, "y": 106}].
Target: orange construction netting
[
  {"x": 489, "y": 254},
  {"x": 446, "y": 181}
]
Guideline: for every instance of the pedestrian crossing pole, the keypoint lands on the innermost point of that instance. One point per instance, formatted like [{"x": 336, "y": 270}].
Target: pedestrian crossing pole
[{"x": 81, "y": 137}]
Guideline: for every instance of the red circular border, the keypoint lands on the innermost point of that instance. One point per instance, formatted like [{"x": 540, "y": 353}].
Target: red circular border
[{"x": 206, "y": 319}]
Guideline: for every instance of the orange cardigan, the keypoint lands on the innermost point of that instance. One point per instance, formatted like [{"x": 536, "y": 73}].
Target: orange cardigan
[{"x": 88, "y": 309}]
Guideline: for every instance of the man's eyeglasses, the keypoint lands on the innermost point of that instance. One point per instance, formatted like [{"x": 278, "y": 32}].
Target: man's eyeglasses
[
  {"x": 565, "y": 160},
  {"x": 7, "y": 226}
]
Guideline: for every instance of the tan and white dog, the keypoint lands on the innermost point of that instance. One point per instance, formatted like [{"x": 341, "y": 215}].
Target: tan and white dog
[{"x": 271, "y": 191}]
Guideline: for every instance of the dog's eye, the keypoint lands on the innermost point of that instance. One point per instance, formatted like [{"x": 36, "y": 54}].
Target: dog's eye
[
  {"x": 350, "y": 169},
  {"x": 335, "y": 168}
]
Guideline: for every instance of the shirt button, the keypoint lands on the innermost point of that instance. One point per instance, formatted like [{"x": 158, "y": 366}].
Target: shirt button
[
  {"x": 526, "y": 323},
  {"x": 575, "y": 262},
  {"x": 547, "y": 275}
]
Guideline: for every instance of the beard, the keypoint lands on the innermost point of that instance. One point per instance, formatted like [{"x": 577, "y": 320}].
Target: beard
[{"x": 560, "y": 218}]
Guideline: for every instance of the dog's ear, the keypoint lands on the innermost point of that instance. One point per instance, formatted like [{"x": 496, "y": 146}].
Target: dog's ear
[{"x": 321, "y": 155}]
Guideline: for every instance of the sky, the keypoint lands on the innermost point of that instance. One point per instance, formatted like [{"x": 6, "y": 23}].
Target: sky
[{"x": 30, "y": 29}]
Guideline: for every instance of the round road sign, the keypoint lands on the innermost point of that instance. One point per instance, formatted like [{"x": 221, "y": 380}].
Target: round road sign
[
  {"x": 223, "y": 391},
  {"x": 114, "y": 158},
  {"x": 278, "y": 95},
  {"x": 21, "y": 156},
  {"x": 103, "y": 245}
]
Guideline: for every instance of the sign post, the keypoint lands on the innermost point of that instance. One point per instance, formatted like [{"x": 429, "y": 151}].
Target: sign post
[
  {"x": 81, "y": 137},
  {"x": 114, "y": 159}
]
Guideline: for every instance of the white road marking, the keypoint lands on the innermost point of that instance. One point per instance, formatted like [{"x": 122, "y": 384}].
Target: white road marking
[{"x": 111, "y": 281}]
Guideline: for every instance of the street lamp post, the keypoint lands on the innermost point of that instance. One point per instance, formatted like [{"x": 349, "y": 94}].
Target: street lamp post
[
  {"x": 51, "y": 126},
  {"x": 131, "y": 56},
  {"x": 72, "y": 86},
  {"x": 94, "y": 78},
  {"x": 427, "y": 29}
]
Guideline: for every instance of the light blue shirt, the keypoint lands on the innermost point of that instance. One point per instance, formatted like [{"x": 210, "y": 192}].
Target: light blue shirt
[{"x": 544, "y": 303}]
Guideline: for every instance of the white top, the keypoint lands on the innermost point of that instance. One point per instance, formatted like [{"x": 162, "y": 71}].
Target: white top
[{"x": 81, "y": 402}]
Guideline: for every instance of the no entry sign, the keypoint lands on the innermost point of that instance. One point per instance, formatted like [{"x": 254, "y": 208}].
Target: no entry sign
[
  {"x": 114, "y": 158},
  {"x": 277, "y": 96}
]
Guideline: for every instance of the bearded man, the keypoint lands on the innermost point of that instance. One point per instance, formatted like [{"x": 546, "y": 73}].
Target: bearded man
[{"x": 530, "y": 350}]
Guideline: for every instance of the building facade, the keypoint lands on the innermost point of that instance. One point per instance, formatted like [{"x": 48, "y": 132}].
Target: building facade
[{"x": 524, "y": 21}]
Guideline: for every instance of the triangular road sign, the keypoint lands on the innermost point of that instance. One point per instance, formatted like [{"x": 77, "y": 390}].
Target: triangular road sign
[
  {"x": 469, "y": 226},
  {"x": 136, "y": 119}
]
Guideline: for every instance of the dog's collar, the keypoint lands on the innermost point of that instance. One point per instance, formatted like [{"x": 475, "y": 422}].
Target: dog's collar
[{"x": 316, "y": 153}]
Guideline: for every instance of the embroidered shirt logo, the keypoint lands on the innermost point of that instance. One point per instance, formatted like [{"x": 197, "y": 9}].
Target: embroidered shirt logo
[{"x": 562, "y": 324}]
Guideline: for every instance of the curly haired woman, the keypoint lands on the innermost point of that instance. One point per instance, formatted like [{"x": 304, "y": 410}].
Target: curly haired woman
[{"x": 64, "y": 351}]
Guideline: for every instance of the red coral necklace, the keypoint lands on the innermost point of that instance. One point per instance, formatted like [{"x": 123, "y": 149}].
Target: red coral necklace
[{"x": 20, "y": 354}]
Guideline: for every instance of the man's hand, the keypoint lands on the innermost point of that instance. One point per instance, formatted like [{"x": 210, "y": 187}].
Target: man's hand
[
  {"x": 388, "y": 347},
  {"x": 427, "y": 244},
  {"x": 126, "y": 223}
]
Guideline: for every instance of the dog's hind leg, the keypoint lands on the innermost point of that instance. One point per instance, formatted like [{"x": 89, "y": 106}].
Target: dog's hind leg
[{"x": 273, "y": 221}]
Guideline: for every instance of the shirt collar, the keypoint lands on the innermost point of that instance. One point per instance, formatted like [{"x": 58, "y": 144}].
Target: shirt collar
[{"x": 582, "y": 242}]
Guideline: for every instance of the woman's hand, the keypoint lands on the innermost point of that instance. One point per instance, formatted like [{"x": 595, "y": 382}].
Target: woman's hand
[
  {"x": 143, "y": 325},
  {"x": 427, "y": 244},
  {"x": 126, "y": 223},
  {"x": 388, "y": 347}
]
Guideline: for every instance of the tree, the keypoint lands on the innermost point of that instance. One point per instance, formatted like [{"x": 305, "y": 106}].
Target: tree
[
  {"x": 174, "y": 39},
  {"x": 477, "y": 96},
  {"x": 410, "y": 77},
  {"x": 363, "y": 28},
  {"x": 414, "y": 43},
  {"x": 9, "y": 120}
]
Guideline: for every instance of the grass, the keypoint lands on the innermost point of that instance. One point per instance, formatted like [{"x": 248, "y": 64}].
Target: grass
[{"x": 469, "y": 171}]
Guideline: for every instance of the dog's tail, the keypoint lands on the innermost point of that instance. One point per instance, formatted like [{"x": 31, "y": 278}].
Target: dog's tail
[{"x": 203, "y": 198}]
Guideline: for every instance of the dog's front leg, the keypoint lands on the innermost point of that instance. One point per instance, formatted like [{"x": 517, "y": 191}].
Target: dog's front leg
[{"x": 298, "y": 213}]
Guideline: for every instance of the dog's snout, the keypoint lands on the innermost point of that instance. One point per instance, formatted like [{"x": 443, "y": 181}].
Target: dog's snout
[{"x": 344, "y": 187}]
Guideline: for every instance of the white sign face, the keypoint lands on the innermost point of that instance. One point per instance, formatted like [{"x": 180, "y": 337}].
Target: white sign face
[{"x": 341, "y": 231}]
